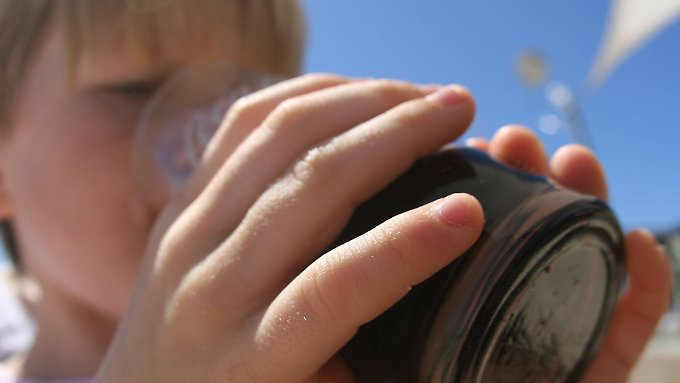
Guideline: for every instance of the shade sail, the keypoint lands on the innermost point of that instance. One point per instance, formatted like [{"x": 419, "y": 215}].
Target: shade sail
[{"x": 631, "y": 24}]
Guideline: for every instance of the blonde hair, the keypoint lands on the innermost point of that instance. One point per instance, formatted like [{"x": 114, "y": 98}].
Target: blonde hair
[{"x": 266, "y": 35}]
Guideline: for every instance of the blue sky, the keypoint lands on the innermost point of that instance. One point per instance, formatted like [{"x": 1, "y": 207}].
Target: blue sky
[{"x": 633, "y": 118}]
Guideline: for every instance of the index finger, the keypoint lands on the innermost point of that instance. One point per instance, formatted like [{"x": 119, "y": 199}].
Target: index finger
[{"x": 323, "y": 307}]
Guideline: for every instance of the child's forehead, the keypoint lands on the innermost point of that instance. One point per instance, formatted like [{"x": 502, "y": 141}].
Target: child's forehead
[
  {"x": 164, "y": 38},
  {"x": 264, "y": 35}
]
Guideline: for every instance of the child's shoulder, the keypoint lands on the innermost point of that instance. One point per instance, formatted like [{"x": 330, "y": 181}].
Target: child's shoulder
[
  {"x": 11, "y": 329},
  {"x": 16, "y": 327},
  {"x": 8, "y": 371}
]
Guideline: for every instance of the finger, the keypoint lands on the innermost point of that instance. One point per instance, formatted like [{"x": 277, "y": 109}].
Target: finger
[
  {"x": 335, "y": 371},
  {"x": 638, "y": 312},
  {"x": 520, "y": 148},
  {"x": 575, "y": 167},
  {"x": 294, "y": 127},
  {"x": 478, "y": 143},
  {"x": 247, "y": 114},
  {"x": 324, "y": 306},
  {"x": 243, "y": 117},
  {"x": 310, "y": 206}
]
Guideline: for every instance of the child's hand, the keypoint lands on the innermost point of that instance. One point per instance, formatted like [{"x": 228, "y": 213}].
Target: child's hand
[
  {"x": 649, "y": 270},
  {"x": 221, "y": 296},
  {"x": 227, "y": 292}
]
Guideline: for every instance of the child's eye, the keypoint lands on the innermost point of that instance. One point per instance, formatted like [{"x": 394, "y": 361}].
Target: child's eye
[{"x": 137, "y": 89}]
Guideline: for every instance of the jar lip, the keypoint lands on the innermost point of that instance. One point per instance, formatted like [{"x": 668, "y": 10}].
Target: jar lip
[
  {"x": 181, "y": 117},
  {"x": 477, "y": 283}
]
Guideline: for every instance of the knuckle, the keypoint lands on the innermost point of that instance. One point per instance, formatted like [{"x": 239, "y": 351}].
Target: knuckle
[
  {"x": 182, "y": 200},
  {"x": 316, "y": 167},
  {"x": 302, "y": 171},
  {"x": 242, "y": 108},
  {"x": 410, "y": 114},
  {"x": 413, "y": 242},
  {"x": 647, "y": 314},
  {"x": 323, "y": 79},
  {"x": 287, "y": 114},
  {"x": 326, "y": 299},
  {"x": 242, "y": 366},
  {"x": 394, "y": 91},
  {"x": 394, "y": 248}
]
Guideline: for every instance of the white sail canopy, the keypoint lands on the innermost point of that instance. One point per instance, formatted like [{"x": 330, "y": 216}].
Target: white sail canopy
[{"x": 631, "y": 24}]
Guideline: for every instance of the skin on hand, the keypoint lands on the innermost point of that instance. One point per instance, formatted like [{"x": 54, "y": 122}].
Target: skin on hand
[
  {"x": 231, "y": 266},
  {"x": 289, "y": 327}
]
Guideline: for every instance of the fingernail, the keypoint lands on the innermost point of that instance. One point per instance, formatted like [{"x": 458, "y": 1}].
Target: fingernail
[
  {"x": 455, "y": 209},
  {"x": 447, "y": 96},
  {"x": 648, "y": 234},
  {"x": 477, "y": 142}
]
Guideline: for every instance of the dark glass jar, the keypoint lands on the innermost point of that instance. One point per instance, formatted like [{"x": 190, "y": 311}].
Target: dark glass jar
[{"x": 529, "y": 302}]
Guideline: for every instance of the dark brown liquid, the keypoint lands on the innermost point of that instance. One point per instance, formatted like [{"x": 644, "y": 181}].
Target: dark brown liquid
[{"x": 545, "y": 271}]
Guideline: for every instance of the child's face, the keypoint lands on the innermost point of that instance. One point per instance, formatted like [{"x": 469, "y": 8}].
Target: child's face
[{"x": 66, "y": 173}]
